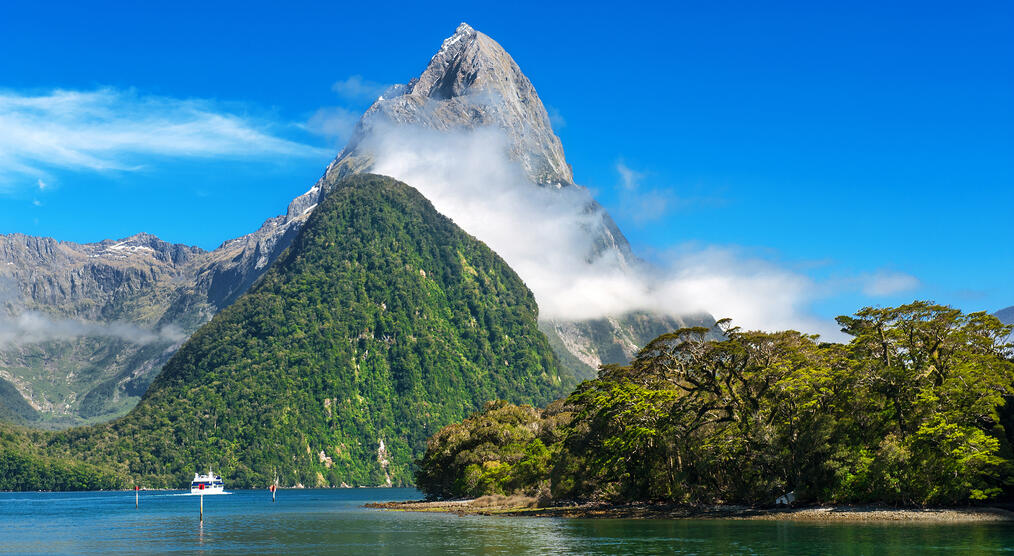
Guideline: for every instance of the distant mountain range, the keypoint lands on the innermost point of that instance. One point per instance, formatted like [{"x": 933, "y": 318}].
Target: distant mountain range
[
  {"x": 1006, "y": 316},
  {"x": 88, "y": 326},
  {"x": 84, "y": 328},
  {"x": 382, "y": 323}
]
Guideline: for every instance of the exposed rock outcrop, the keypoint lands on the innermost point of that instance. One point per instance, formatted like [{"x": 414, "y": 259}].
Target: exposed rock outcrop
[{"x": 102, "y": 318}]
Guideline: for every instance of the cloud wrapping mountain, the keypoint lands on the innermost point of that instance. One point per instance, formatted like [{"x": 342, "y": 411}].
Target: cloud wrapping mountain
[
  {"x": 473, "y": 136},
  {"x": 543, "y": 234},
  {"x": 470, "y": 133}
]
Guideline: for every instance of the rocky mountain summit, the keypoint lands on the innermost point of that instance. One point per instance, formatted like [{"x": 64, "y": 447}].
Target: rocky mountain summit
[
  {"x": 84, "y": 328},
  {"x": 473, "y": 83},
  {"x": 470, "y": 83}
]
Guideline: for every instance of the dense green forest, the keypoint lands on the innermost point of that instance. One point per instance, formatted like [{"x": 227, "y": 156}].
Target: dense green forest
[
  {"x": 382, "y": 323},
  {"x": 24, "y": 467},
  {"x": 13, "y": 407},
  {"x": 915, "y": 410}
]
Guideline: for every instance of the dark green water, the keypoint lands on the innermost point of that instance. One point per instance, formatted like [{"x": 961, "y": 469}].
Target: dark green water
[{"x": 333, "y": 521}]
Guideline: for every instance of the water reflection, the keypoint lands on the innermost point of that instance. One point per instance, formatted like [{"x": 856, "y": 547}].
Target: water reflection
[{"x": 333, "y": 521}]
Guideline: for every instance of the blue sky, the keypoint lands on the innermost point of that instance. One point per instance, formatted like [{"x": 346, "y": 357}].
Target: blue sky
[{"x": 866, "y": 146}]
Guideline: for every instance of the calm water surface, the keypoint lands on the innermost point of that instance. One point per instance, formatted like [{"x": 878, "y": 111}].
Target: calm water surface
[{"x": 333, "y": 521}]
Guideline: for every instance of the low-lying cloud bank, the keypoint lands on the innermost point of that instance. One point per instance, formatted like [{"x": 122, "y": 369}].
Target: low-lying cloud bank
[
  {"x": 32, "y": 328},
  {"x": 543, "y": 233}
]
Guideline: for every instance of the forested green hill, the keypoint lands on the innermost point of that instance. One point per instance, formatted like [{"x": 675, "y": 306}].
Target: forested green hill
[{"x": 382, "y": 323}]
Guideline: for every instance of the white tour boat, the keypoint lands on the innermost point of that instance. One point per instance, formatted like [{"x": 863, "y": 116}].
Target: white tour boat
[{"x": 207, "y": 484}]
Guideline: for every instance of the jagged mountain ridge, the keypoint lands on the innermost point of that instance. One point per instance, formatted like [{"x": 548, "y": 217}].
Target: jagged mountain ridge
[
  {"x": 105, "y": 294},
  {"x": 55, "y": 293},
  {"x": 471, "y": 82}
]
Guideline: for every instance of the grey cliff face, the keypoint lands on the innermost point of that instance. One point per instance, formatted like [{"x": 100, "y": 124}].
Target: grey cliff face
[
  {"x": 90, "y": 281},
  {"x": 79, "y": 323},
  {"x": 471, "y": 82},
  {"x": 114, "y": 292},
  {"x": 584, "y": 345},
  {"x": 84, "y": 328}
]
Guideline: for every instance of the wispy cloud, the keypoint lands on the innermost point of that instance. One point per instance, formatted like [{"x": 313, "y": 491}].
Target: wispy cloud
[
  {"x": 629, "y": 178},
  {"x": 111, "y": 129},
  {"x": 336, "y": 123},
  {"x": 358, "y": 88},
  {"x": 333, "y": 122},
  {"x": 32, "y": 328},
  {"x": 543, "y": 234},
  {"x": 884, "y": 283},
  {"x": 639, "y": 204},
  {"x": 556, "y": 119}
]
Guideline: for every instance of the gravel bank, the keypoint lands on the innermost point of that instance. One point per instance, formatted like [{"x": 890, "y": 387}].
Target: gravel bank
[{"x": 524, "y": 506}]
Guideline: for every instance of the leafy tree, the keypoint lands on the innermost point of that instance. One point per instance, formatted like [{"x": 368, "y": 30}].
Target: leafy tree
[
  {"x": 913, "y": 410},
  {"x": 502, "y": 449}
]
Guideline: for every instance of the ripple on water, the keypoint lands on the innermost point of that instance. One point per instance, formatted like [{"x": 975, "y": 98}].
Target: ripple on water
[{"x": 315, "y": 521}]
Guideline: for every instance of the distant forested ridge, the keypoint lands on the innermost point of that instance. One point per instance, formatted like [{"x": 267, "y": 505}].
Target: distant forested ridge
[
  {"x": 382, "y": 323},
  {"x": 915, "y": 410}
]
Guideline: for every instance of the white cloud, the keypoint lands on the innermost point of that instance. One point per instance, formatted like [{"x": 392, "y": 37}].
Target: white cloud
[
  {"x": 884, "y": 283},
  {"x": 32, "y": 328},
  {"x": 110, "y": 129},
  {"x": 542, "y": 233},
  {"x": 334, "y": 122},
  {"x": 357, "y": 88},
  {"x": 556, "y": 118},
  {"x": 641, "y": 205},
  {"x": 647, "y": 206},
  {"x": 630, "y": 179},
  {"x": 42, "y": 185}
]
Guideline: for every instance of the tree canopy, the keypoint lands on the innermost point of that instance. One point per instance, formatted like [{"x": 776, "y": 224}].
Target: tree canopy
[{"x": 914, "y": 410}]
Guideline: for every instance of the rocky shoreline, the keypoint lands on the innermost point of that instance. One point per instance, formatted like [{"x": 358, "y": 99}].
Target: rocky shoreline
[{"x": 516, "y": 506}]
